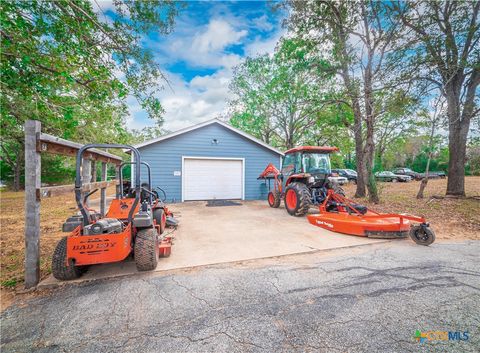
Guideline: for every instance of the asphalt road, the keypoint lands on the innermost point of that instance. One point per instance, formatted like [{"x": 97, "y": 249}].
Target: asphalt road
[{"x": 365, "y": 299}]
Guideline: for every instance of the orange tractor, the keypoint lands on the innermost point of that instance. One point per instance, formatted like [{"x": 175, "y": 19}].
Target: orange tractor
[
  {"x": 134, "y": 224},
  {"x": 305, "y": 180}
]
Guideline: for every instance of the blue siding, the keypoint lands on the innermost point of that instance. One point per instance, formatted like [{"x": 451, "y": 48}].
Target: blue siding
[{"x": 165, "y": 157}]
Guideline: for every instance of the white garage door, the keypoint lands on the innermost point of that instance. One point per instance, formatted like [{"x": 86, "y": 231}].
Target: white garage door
[{"x": 208, "y": 179}]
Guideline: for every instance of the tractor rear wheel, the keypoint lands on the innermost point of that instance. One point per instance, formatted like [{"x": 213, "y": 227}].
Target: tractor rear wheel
[
  {"x": 60, "y": 269},
  {"x": 160, "y": 218},
  {"x": 274, "y": 199},
  {"x": 146, "y": 249},
  {"x": 297, "y": 199}
]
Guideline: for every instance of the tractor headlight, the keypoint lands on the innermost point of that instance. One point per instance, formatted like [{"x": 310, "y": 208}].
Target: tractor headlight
[{"x": 311, "y": 180}]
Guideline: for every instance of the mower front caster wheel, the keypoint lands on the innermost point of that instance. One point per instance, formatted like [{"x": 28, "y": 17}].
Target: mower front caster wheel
[
  {"x": 60, "y": 269},
  {"x": 422, "y": 235},
  {"x": 146, "y": 249}
]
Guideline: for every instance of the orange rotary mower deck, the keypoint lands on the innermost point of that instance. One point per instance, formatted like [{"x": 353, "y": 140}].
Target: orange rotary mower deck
[{"x": 347, "y": 219}]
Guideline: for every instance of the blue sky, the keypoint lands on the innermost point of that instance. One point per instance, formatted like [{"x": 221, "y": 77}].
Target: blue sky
[{"x": 209, "y": 40}]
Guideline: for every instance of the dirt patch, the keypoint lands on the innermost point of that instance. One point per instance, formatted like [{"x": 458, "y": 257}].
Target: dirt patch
[
  {"x": 53, "y": 212},
  {"x": 450, "y": 218}
]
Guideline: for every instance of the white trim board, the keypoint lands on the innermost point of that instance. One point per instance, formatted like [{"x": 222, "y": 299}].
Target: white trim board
[
  {"x": 206, "y": 123},
  {"x": 215, "y": 158}
]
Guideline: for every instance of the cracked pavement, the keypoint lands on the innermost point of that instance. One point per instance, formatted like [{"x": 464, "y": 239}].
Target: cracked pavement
[{"x": 362, "y": 299}]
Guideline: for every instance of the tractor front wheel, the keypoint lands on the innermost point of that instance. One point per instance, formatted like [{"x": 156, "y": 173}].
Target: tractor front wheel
[
  {"x": 297, "y": 199},
  {"x": 274, "y": 199},
  {"x": 60, "y": 269},
  {"x": 146, "y": 249}
]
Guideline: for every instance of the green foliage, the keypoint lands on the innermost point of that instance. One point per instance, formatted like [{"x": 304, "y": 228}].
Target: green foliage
[
  {"x": 280, "y": 98},
  {"x": 10, "y": 283},
  {"x": 73, "y": 69}
]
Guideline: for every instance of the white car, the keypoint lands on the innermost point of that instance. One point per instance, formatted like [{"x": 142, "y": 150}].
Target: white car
[{"x": 338, "y": 180}]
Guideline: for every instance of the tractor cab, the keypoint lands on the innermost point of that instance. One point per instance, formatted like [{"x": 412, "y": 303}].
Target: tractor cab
[{"x": 311, "y": 164}]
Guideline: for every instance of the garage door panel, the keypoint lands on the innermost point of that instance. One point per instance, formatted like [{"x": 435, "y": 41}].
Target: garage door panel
[{"x": 207, "y": 179}]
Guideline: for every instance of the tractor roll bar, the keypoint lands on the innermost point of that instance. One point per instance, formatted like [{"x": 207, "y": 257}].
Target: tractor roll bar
[
  {"x": 78, "y": 178},
  {"x": 149, "y": 172}
]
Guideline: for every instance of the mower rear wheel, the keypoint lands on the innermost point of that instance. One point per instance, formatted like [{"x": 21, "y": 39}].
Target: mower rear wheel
[
  {"x": 160, "y": 218},
  {"x": 422, "y": 235},
  {"x": 60, "y": 269},
  {"x": 297, "y": 199},
  {"x": 146, "y": 249},
  {"x": 274, "y": 199}
]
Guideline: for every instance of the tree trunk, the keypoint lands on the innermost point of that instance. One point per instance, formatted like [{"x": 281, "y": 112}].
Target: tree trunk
[
  {"x": 369, "y": 158},
  {"x": 370, "y": 124},
  {"x": 456, "y": 163},
  {"x": 424, "y": 182},
  {"x": 16, "y": 176},
  {"x": 357, "y": 126},
  {"x": 457, "y": 140}
]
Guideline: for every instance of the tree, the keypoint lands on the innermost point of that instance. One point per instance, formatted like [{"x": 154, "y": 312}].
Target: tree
[
  {"x": 356, "y": 37},
  {"x": 435, "y": 120},
  {"x": 398, "y": 120},
  {"x": 147, "y": 133},
  {"x": 279, "y": 98},
  {"x": 442, "y": 48},
  {"x": 62, "y": 64}
]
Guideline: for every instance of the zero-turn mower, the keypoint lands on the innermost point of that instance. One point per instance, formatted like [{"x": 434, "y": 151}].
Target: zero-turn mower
[
  {"x": 304, "y": 182},
  {"x": 134, "y": 224}
]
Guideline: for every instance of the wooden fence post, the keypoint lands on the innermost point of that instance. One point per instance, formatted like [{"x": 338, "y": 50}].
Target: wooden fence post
[
  {"x": 32, "y": 204},
  {"x": 86, "y": 174},
  {"x": 103, "y": 191},
  {"x": 94, "y": 171}
]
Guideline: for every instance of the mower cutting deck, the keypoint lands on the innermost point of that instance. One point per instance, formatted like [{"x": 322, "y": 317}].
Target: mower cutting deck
[{"x": 339, "y": 214}]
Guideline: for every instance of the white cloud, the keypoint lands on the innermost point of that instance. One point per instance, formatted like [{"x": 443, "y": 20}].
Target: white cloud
[
  {"x": 217, "y": 36},
  {"x": 262, "y": 23},
  {"x": 205, "y": 46},
  {"x": 204, "y": 97},
  {"x": 262, "y": 45}
]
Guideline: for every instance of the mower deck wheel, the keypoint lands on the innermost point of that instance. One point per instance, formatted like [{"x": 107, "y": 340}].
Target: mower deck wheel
[
  {"x": 160, "y": 218},
  {"x": 422, "y": 235},
  {"x": 297, "y": 199},
  {"x": 274, "y": 199},
  {"x": 60, "y": 269},
  {"x": 146, "y": 249}
]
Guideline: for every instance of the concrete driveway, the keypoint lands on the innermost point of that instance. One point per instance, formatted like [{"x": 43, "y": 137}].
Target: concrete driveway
[{"x": 212, "y": 235}]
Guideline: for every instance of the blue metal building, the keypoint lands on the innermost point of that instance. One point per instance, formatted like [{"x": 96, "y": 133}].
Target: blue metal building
[{"x": 211, "y": 160}]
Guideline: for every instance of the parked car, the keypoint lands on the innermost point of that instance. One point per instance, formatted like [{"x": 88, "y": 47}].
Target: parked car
[
  {"x": 389, "y": 176},
  {"x": 335, "y": 178},
  {"x": 440, "y": 174},
  {"x": 350, "y": 174},
  {"x": 409, "y": 172}
]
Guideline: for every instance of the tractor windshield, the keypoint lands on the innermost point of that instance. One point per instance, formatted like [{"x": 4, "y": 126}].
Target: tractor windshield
[{"x": 316, "y": 163}]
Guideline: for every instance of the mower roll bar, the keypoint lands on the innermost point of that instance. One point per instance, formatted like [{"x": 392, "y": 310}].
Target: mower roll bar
[
  {"x": 78, "y": 178},
  {"x": 149, "y": 172}
]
